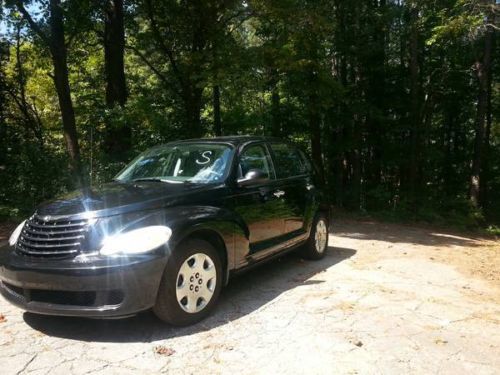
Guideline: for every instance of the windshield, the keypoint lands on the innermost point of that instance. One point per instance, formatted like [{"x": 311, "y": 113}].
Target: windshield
[{"x": 190, "y": 162}]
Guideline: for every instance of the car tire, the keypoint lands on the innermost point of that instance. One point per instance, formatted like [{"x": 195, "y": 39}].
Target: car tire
[
  {"x": 190, "y": 285},
  {"x": 317, "y": 244}
]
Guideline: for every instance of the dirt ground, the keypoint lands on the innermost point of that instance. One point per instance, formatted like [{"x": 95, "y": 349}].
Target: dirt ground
[
  {"x": 5, "y": 230},
  {"x": 386, "y": 299}
]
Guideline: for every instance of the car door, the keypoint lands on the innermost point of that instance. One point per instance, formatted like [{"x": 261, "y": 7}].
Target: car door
[
  {"x": 294, "y": 184},
  {"x": 259, "y": 206}
]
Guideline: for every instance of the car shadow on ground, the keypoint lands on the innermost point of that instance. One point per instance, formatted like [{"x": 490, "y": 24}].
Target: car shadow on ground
[{"x": 244, "y": 294}]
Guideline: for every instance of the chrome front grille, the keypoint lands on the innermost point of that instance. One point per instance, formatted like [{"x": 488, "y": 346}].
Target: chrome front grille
[{"x": 57, "y": 237}]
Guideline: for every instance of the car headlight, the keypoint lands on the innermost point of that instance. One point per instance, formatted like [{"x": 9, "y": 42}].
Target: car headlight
[
  {"x": 136, "y": 241},
  {"x": 15, "y": 235}
]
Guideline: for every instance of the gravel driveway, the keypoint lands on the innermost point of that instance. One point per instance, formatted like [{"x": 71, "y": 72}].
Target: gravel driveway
[{"x": 386, "y": 299}]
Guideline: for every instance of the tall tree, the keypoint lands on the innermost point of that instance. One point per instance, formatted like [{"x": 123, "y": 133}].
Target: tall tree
[
  {"x": 415, "y": 118},
  {"x": 118, "y": 138},
  {"x": 55, "y": 41},
  {"x": 181, "y": 36},
  {"x": 482, "y": 68},
  {"x": 3, "y": 103},
  {"x": 217, "y": 115},
  {"x": 31, "y": 118}
]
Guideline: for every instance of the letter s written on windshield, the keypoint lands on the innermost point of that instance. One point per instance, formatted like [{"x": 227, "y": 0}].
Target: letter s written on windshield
[{"x": 206, "y": 155}]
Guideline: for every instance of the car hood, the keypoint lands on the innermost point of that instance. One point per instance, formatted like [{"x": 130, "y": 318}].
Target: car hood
[{"x": 118, "y": 198}]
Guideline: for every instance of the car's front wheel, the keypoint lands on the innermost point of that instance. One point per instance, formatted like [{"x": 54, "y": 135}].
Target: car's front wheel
[{"x": 191, "y": 283}]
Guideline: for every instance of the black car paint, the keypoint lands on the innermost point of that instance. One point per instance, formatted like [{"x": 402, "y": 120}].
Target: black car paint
[{"x": 247, "y": 224}]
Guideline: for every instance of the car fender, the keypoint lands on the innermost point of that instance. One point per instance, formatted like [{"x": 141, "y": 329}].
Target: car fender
[{"x": 186, "y": 220}]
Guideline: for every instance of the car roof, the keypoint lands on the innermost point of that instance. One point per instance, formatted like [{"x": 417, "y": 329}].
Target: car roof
[{"x": 235, "y": 140}]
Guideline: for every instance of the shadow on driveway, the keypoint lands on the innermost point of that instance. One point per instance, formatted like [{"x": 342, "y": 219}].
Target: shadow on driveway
[{"x": 244, "y": 294}]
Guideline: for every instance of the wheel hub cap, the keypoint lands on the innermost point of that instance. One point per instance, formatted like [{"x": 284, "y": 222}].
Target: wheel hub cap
[
  {"x": 321, "y": 236},
  {"x": 196, "y": 283}
]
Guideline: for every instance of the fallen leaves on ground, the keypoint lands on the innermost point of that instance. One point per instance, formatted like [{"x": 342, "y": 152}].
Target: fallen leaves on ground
[{"x": 163, "y": 350}]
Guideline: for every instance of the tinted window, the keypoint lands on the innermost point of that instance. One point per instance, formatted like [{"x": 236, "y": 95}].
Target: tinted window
[
  {"x": 254, "y": 157},
  {"x": 307, "y": 162},
  {"x": 287, "y": 161}
]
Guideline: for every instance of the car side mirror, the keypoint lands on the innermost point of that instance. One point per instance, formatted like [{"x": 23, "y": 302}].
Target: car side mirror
[{"x": 253, "y": 177}]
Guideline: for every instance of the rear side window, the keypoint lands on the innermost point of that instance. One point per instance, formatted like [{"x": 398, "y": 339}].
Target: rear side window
[
  {"x": 307, "y": 162},
  {"x": 254, "y": 157},
  {"x": 288, "y": 162}
]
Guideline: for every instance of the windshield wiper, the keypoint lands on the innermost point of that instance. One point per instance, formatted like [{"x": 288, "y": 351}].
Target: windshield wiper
[
  {"x": 152, "y": 179},
  {"x": 157, "y": 179}
]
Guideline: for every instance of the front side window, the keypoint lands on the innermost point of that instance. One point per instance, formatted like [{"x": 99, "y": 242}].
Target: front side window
[
  {"x": 254, "y": 157},
  {"x": 190, "y": 162},
  {"x": 288, "y": 161}
]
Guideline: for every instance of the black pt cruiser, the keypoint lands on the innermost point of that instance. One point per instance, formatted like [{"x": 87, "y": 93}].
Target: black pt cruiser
[{"x": 168, "y": 232}]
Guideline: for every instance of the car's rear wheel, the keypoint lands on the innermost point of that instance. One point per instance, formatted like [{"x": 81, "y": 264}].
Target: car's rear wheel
[
  {"x": 316, "y": 245},
  {"x": 191, "y": 283}
]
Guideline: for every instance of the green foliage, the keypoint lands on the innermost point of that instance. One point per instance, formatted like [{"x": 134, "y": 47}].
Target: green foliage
[
  {"x": 281, "y": 67},
  {"x": 462, "y": 20},
  {"x": 493, "y": 230}
]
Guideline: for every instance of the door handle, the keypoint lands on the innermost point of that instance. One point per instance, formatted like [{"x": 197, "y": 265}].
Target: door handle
[
  {"x": 264, "y": 193},
  {"x": 279, "y": 193}
]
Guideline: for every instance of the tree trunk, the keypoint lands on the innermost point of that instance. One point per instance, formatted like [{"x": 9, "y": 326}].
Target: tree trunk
[
  {"x": 315, "y": 129},
  {"x": 276, "y": 130},
  {"x": 61, "y": 81},
  {"x": 338, "y": 157},
  {"x": 192, "y": 107},
  {"x": 483, "y": 72},
  {"x": 355, "y": 188},
  {"x": 414, "y": 107},
  {"x": 56, "y": 43},
  {"x": 3, "y": 60},
  {"x": 357, "y": 163},
  {"x": 485, "y": 170},
  {"x": 314, "y": 108},
  {"x": 376, "y": 94},
  {"x": 337, "y": 148},
  {"x": 31, "y": 120},
  {"x": 217, "y": 119},
  {"x": 117, "y": 139},
  {"x": 447, "y": 142}
]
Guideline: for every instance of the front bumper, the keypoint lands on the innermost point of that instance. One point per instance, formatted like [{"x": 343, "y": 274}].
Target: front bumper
[{"x": 87, "y": 286}]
